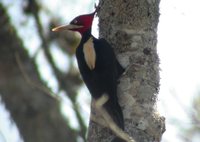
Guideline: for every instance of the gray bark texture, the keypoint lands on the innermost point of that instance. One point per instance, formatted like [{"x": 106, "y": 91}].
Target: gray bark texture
[
  {"x": 36, "y": 114},
  {"x": 130, "y": 26}
]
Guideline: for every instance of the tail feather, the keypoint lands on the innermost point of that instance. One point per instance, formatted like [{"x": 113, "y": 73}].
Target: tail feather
[
  {"x": 117, "y": 139},
  {"x": 115, "y": 112}
]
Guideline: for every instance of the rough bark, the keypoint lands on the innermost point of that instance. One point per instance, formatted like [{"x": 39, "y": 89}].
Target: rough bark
[
  {"x": 36, "y": 114},
  {"x": 130, "y": 26}
]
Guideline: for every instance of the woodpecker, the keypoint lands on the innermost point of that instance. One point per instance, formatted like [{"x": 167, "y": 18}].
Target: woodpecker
[{"x": 98, "y": 65}]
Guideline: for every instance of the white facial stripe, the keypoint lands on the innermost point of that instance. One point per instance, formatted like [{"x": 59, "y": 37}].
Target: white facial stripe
[{"x": 89, "y": 53}]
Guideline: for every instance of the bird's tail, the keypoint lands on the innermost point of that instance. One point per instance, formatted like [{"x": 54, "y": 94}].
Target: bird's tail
[
  {"x": 115, "y": 112},
  {"x": 117, "y": 139}
]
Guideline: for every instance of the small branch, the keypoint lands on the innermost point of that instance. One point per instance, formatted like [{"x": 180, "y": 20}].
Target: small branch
[{"x": 31, "y": 82}]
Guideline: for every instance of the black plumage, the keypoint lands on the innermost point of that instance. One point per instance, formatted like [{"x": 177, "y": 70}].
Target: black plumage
[{"x": 103, "y": 78}]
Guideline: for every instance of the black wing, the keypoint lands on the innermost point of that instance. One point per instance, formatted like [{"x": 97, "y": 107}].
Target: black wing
[
  {"x": 103, "y": 78},
  {"x": 109, "y": 70}
]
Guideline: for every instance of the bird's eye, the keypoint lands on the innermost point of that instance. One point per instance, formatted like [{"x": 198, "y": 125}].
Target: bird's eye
[{"x": 75, "y": 21}]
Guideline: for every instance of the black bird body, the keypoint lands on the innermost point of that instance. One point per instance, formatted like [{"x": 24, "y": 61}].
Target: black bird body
[
  {"x": 98, "y": 66},
  {"x": 103, "y": 78}
]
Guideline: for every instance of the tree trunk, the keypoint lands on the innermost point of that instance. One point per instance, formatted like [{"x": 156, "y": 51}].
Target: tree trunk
[
  {"x": 36, "y": 114},
  {"x": 130, "y": 26}
]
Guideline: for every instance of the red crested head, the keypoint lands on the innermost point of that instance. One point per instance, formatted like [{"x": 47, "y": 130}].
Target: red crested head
[
  {"x": 79, "y": 24},
  {"x": 85, "y": 21}
]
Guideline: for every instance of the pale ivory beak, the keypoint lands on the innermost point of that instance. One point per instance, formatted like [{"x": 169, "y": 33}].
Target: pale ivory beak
[{"x": 66, "y": 27}]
